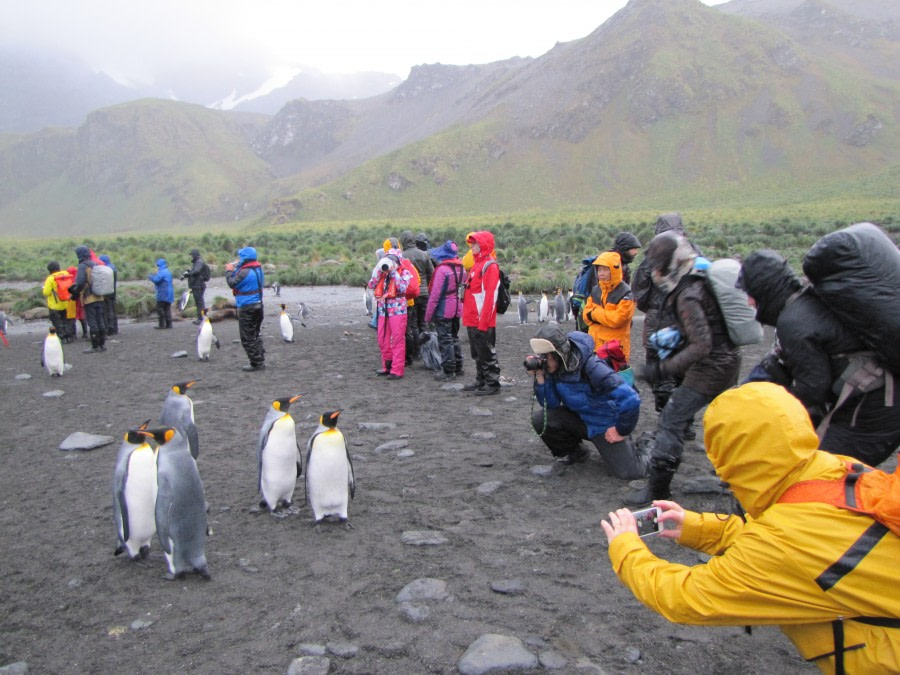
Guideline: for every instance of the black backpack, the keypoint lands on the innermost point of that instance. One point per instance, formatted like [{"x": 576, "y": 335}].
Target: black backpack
[
  {"x": 504, "y": 298},
  {"x": 205, "y": 273}
]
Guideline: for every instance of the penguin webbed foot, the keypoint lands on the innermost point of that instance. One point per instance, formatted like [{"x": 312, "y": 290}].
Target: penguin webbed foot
[
  {"x": 317, "y": 526},
  {"x": 347, "y": 525}
]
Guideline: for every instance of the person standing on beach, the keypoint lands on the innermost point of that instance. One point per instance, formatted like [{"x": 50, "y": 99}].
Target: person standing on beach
[
  {"x": 246, "y": 280},
  {"x": 480, "y": 314}
]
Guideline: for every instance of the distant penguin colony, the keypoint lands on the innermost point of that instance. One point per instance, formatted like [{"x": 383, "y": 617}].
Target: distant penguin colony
[
  {"x": 52, "y": 354},
  {"x": 178, "y": 412},
  {"x": 278, "y": 457},
  {"x": 287, "y": 326},
  {"x": 329, "y": 472}
]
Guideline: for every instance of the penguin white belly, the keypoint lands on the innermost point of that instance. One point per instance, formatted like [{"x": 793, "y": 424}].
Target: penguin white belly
[
  {"x": 53, "y": 355},
  {"x": 328, "y": 476},
  {"x": 205, "y": 341},
  {"x": 287, "y": 328},
  {"x": 278, "y": 473},
  {"x": 140, "y": 497}
]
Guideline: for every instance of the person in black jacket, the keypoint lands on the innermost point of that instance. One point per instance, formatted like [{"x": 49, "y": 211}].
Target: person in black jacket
[
  {"x": 627, "y": 246},
  {"x": 197, "y": 276},
  {"x": 810, "y": 356},
  {"x": 416, "y": 312}
]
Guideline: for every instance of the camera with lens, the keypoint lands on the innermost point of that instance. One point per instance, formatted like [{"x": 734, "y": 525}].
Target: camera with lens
[{"x": 535, "y": 362}]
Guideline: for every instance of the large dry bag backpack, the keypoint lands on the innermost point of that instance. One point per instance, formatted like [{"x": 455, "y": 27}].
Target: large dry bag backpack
[
  {"x": 740, "y": 319},
  {"x": 856, "y": 272},
  {"x": 102, "y": 280}
]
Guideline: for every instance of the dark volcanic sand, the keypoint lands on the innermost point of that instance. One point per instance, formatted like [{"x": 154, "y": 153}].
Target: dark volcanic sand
[{"x": 69, "y": 606}]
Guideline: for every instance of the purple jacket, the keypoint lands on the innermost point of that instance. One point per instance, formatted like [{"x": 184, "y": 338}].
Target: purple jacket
[{"x": 443, "y": 298}]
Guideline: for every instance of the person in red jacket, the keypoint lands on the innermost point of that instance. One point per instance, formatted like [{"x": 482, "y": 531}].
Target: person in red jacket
[{"x": 480, "y": 314}]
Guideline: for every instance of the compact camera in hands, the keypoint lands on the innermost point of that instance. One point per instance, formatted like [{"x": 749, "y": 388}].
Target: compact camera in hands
[
  {"x": 535, "y": 362},
  {"x": 648, "y": 521}
]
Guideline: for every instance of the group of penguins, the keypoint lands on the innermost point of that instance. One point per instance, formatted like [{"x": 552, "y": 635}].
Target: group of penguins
[
  {"x": 560, "y": 310},
  {"x": 157, "y": 487}
]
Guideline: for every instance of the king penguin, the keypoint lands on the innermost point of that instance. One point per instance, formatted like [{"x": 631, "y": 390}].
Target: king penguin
[
  {"x": 522, "y": 307},
  {"x": 543, "y": 308},
  {"x": 181, "y": 523},
  {"x": 134, "y": 494},
  {"x": 560, "y": 305},
  {"x": 287, "y": 326},
  {"x": 278, "y": 456},
  {"x": 329, "y": 472},
  {"x": 178, "y": 412},
  {"x": 205, "y": 338},
  {"x": 368, "y": 300},
  {"x": 52, "y": 355}
]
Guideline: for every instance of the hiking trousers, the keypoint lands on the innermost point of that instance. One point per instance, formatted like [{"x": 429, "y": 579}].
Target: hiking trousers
[
  {"x": 250, "y": 318},
  {"x": 481, "y": 346}
]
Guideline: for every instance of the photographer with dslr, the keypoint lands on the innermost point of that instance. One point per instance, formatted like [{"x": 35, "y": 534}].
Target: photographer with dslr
[
  {"x": 197, "y": 276},
  {"x": 582, "y": 398}
]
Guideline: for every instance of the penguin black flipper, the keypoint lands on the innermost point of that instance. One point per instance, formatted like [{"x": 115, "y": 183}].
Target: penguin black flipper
[
  {"x": 350, "y": 480},
  {"x": 216, "y": 342},
  {"x": 193, "y": 439},
  {"x": 309, "y": 446}
]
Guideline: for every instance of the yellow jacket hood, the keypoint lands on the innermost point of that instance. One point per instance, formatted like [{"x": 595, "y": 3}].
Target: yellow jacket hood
[{"x": 760, "y": 440}]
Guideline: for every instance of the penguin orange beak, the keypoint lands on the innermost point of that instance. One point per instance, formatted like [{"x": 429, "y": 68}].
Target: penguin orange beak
[
  {"x": 295, "y": 398},
  {"x": 334, "y": 415}
]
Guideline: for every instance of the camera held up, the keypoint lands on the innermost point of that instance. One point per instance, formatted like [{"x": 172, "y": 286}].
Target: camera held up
[{"x": 535, "y": 362}]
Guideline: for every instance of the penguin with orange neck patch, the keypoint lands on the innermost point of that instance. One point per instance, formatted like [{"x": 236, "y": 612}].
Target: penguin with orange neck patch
[
  {"x": 278, "y": 456},
  {"x": 329, "y": 472},
  {"x": 178, "y": 412}
]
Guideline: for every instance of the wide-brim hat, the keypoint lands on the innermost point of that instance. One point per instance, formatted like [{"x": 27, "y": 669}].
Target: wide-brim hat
[{"x": 552, "y": 338}]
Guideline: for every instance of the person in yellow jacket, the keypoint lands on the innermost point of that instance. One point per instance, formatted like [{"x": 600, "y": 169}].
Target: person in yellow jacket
[
  {"x": 825, "y": 575},
  {"x": 610, "y": 306},
  {"x": 55, "y": 304}
]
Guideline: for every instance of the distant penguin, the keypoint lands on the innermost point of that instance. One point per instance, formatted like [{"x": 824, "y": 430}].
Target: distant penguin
[
  {"x": 560, "y": 306},
  {"x": 205, "y": 338},
  {"x": 329, "y": 472},
  {"x": 277, "y": 288},
  {"x": 278, "y": 456},
  {"x": 569, "y": 316},
  {"x": 178, "y": 412},
  {"x": 522, "y": 306},
  {"x": 185, "y": 298},
  {"x": 304, "y": 311},
  {"x": 181, "y": 523},
  {"x": 52, "y": 355},
  {"x": 368, "y": 300},
  {"x": 287, "y": 326},
  {"x": 543, "y": 307},
  {"x": 134, "y": 494}
]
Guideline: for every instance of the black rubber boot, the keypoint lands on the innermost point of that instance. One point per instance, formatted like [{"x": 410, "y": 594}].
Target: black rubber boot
[
  {"x": 662, "y": 470},
  {"x": 387, "y": 369}
]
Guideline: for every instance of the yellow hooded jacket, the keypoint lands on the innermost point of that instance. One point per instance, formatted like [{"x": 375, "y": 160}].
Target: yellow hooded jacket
[
  {"x": 50, "y": 289},
  {"x": 803, "y": 567},
  {"x": 610, "y": 307}
]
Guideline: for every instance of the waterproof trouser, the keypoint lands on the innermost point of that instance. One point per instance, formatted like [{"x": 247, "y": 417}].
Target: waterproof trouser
[
  {"x": 481, "y": 346},
  {"x": 58, "y": 319},
  {"x": 448, "y": 343},
  {"x": 198, "y": 299},
  {"x": 563, "y": 430},
  {"x": 415, "y": 324},
  {"x": 95, "y": 315},
  {"x": 112, "y": 317},
  {"x": 163, "y": 313},
  {"x": 392, "y": 342},
  {"x": 250, "y": 318}
]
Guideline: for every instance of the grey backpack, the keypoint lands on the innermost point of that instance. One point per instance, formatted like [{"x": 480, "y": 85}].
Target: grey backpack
[{"x": 102, "y": 280}]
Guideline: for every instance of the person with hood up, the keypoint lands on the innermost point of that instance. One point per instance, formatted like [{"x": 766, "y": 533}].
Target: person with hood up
[
  {"x": 422, "y": 242},
  {"x": 812, "y": 351},
  {"x": 480, "y": 313},
  {"x": 388, "y": 283},
  {"x": 109, "y": 301},
  {"x": 246, "y": 279},
  {"x": 445, "y": 307},
  {"x": 819, "y": 572},
  {"x": 94, "y": 308},
  {"x": 196, "y": 276},
  {"x": 582, "y": 398},
  {"x": 627, "y": 246},
  {"x": 610, "y": 307},
  {"x": 649, "y": 299},
  {"x": 165, "y": 293},
  {"x": 704, "y": 360},
  {"x": 75, "y": 310},
  {"x": 415, "y": 323}
]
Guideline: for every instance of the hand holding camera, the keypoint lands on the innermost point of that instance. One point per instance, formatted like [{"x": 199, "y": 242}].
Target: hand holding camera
[{"x": 535, "y": 362}]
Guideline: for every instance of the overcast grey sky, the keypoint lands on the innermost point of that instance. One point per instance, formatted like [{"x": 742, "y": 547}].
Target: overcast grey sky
[{"x": 140, "y": 41}]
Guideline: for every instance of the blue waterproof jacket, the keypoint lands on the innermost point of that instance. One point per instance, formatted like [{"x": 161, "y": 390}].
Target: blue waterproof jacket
[
  {"x": 163, "y": 280},
  {"x": 247, "y": 280},
  {"x": 597, "y": 394}
]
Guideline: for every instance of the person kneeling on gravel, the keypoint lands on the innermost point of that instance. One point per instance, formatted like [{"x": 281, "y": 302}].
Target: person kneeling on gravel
[{"x": 582, "y": 398}]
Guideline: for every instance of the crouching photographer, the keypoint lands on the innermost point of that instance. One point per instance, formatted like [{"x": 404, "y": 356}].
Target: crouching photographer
[{"x": 581, "y": 398}]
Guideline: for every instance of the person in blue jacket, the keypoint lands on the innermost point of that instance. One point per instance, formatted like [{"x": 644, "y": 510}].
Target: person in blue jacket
[
  {"x": 582, "y": 398},
  {"x": 246, "y": 280},
  {"x": 165, "y": 293}
]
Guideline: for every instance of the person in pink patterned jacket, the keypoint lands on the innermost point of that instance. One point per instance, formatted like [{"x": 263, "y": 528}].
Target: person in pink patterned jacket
[
  {"x": 389, "y": 281},
  {"x": 445, "y": 307}
]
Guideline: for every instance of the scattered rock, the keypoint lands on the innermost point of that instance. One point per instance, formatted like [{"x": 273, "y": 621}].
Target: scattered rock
[
  {"x": 36, "y": 313},
  {"x": 508, "y": 587},
  {"x": 496, "y": 652},
  {"x": 23, "y": 376},
  {"x": 632, "y": 655},
  {"x": 17, "y": 668},
  {"x": 310, "y": 649},
  {"x": 484, "y": 462},
  {"x": 406, "y": 453},
  {"x": 510, "y": 399},
  {"x": 138, "y": 624},
  {"x": 423, "y": 538},
  {"x": 67, "y": 367},
  {"x": 489, "y": 487},
  {"x": 75, "y": 583},
  {"x": 702, "y": 485},
  {"x": 484, "y": 435},
  {"x": 310, "y": 665},
  {"x": 180, "y": 355},
  {"x": 55, "y": 393},
  {"x": 552, "y": 660},
  {"x": 423, "y": 589},
  {"x": 415, "y": 613},
  {"x": 391, "y": 650},
  {"x": 542, "y": 470},
  {"x": 377, "y": 426},
  {"x": 344, "y": 650},
  {"x": 84, "y": 441},
  {"x": 397, "y": 444},
  {"x": 480, "y": 412}
]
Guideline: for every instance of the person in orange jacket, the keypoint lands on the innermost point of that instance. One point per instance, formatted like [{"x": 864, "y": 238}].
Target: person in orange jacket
[
  {"x": 820, "y": 572},
  {"x": 610, "y": 306}
]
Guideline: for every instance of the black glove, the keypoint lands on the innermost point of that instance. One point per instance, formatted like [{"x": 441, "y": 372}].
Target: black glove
[{"x": 649, "y": 372}]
